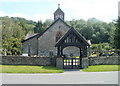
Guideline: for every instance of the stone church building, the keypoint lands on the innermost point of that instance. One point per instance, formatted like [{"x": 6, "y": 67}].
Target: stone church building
[{"x": 44, "y": 44}]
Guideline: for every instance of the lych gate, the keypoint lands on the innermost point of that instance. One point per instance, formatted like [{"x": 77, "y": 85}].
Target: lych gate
[{"x": 72, "y": 38}]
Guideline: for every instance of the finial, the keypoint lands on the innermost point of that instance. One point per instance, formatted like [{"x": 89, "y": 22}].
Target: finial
[{"x": 58, "y": 5}]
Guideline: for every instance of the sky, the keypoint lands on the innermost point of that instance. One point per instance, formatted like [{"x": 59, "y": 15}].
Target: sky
[{"x": 104, "y": 10}]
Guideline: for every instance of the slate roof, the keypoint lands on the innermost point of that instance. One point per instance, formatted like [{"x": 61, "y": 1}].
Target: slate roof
[
  {"x": 40, "y": 34},
  {"x": 76, "y": 32},
  {"x": 59, "y": 11},
  {"x": 30, "y": 35}
]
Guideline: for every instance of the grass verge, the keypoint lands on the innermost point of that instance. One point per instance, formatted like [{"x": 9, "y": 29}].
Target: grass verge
[
  {"x": 29, "y": 69},
  {"x": 102, "y": 68}
]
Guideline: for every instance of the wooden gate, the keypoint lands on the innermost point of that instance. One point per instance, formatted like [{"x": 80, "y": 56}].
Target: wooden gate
[{"x": 71, "y": 63}]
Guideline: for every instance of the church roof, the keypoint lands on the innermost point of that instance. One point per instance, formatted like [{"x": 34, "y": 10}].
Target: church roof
[
  {"x": 40, "y": 34},
  {"x": 30, "y": 35},
  {"x": 59, "y": 11},
  {"x": 78, "y": 35}
]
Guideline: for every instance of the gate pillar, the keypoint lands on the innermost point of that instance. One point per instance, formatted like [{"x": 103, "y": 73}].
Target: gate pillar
[
  {"x": 85, "y": 62},
  {"x": 59, "y": 62}
]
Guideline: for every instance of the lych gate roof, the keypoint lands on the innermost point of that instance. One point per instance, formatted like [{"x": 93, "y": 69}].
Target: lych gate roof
[{"x": 79, "y": 38}]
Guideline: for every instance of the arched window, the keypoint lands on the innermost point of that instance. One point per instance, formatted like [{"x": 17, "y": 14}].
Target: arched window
[{"x": 58, "y": 35}]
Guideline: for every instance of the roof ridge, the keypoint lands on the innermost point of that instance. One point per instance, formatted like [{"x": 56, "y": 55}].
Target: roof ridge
[{"x": 40, "y": 34}]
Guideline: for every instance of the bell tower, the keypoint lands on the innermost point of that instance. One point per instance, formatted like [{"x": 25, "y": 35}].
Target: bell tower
[{"x": 59, "y": 14}]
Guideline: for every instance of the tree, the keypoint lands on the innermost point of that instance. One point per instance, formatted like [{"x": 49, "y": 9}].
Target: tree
[
  {"x": 87, "y": 32},
  {"x": 117, "y": 35},
  {"x": 12, "y": 35},
  {"x": 38, "y": 27}
]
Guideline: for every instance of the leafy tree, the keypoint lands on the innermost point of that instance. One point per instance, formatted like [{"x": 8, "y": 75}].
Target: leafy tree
[
  {"x": 38, "y": 27},
  {"x": 117, "y": 35},
  {"x": 87, "y": 31},
  {"x": 41, "y": 26},
  {"x": 47, "y": 23},
  {"x": 27, "y": 25},
  {"x": 12, "y": 35}
]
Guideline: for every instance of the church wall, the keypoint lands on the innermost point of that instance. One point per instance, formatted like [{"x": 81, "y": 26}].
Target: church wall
[
  {"x": 33, "y": 46},
  {"x": 48, "y": 40}
]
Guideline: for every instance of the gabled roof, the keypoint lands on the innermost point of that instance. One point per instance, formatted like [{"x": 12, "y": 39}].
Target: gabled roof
[
  {"x": 40, "y": 34},
  {"x": 35, "y": 35},
  {"x": 53, "y": 24},
  {"x": 74, "y": 31},
  {"x": 30, "y": 35},
  {"x": 59, "y": 11}
]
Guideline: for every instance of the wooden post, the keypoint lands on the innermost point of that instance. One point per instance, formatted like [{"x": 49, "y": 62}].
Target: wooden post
[
  {"x": 80, "y": 57},
  {"x": 58, "y": 51}
]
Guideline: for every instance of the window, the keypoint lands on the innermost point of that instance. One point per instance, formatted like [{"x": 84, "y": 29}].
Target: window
[{"x": 58, "y": 35}]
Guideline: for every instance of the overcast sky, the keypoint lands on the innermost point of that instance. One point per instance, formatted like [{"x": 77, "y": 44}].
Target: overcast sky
[{"x": 104, "y": 10}]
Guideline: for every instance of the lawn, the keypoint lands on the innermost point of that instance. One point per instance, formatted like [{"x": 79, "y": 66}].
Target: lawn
[
  {"x": 102, "y": 68},
  {"x": 29, "y": 69}
]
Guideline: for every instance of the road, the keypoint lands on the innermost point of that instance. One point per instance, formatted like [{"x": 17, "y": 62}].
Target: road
[{"x": 68, "y": 77}]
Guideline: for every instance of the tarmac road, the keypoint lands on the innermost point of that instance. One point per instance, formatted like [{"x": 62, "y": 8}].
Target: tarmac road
[{"x": 68, "y": 77}]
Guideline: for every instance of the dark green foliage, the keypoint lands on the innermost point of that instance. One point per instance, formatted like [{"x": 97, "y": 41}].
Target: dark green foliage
[
  {"x": 117, "y": 35},
  {"x": 40, "y": 26},
  {"x": 14, "y": 30},
  {"x": 27, "y": 25},
  {"x": 94, "y": 30}
]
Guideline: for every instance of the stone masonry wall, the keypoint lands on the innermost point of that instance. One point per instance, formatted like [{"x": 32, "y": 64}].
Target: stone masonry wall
[
  {"x": 85, "y": 62},
  {"x": 111, "y": 60},
  {"x": 59, "y": 62},
  {"x": 46, "y": 42},
  {"x": 20, "y": 60},
  {"x": 33, "y": 46}
]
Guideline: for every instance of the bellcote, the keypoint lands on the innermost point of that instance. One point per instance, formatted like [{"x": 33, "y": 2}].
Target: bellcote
[{"x": 59, "y": 14}]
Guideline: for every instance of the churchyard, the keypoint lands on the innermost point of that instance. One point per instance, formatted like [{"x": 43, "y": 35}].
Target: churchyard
[{"x": 57, "y": 45}]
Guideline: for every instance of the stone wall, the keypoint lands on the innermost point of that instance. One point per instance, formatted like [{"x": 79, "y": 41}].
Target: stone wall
[
  {"x": 20, "y": 60},
  {"x": 33, "y": 46},
  {"x": 85, "y": 62},
  {"x": 111, "y": 60},
  {"x": 59, "y": 62}
]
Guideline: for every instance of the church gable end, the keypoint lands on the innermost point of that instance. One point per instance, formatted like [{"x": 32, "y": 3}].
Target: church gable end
[{"x": 48, "y": 39}]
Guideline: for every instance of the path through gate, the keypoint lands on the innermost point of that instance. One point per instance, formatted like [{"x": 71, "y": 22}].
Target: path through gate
[
  {"x": 72, "y": 38},
  {"x": 71, "y": 63}
]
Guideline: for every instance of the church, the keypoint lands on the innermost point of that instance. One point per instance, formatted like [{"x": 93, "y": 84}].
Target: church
[{"x": 49, "y": 41}]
